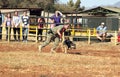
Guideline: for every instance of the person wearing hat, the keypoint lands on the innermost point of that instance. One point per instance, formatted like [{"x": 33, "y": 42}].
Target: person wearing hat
[
  {"x": 101, "y": 32},
  {"x": 55, "y": 32}
]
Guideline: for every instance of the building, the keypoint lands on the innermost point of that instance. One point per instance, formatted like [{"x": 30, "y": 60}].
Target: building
[
  {"x": 109, "y": 15},
  {"x": 32, "y": 12},
  {"x": 91, "y": 18}
]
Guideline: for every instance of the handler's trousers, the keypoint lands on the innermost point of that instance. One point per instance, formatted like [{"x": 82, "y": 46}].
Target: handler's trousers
[{"x": 48, "y": 40}]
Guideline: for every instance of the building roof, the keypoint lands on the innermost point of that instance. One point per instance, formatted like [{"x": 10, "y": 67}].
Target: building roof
[
  {"x": 8, "y": 10},
  {"x": 116, "y": 9},
  {"x": 102, "y": 10},
  {"x": 11, "y": 10}
]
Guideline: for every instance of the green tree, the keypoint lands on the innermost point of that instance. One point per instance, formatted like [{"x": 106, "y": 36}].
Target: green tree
[
  {"x": 70, "y": 3},
  {"x": 24, "y": 4},
  {"x": 64, "y": 8},
  {"x": 12, "y": 4},
  {"x": 77, "y": 5},
  {"x": 4, "y": 3},
  {"x": 45, "y": 4},
  {"x": 53, "y": 1}
]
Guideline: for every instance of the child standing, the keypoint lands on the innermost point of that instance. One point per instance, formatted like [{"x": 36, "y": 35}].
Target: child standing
[{"x": 41, "y": 22}]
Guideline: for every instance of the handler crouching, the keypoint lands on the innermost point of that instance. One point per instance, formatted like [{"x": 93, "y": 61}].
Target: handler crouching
[{"x": 55, "y": 32}]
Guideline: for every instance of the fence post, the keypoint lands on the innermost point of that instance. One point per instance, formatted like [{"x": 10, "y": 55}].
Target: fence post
[
  {"x": 94, "y": 32},
  {"x": 89, "y": 36},
  {"x": 73, "y": 30},
  {"x": 115, "y": 37},
  {"x": 8, "y": 34},
  {"x": 36, "y": 34}
]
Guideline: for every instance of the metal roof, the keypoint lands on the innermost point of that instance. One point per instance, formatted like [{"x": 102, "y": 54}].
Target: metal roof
[
  {"x": 116, "y": 9},
  {"x": 102, "y": 10}
]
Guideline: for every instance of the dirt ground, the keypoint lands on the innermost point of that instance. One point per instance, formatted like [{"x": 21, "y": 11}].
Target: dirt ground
[{"x": 24, "y": 60}]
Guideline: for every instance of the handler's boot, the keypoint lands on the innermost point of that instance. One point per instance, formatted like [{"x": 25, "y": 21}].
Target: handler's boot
[
  {"x": 52, "y": 51},
  {"x": 40, "y": 48}
]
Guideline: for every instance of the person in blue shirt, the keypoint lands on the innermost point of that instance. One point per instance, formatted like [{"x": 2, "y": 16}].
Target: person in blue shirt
[
  {"x": 57, "y": 18},
  {"x": 101, "y": 32}
]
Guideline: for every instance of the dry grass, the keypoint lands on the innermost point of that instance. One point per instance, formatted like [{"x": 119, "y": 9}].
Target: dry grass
[
  {"x": 98, "y": 61},
  {"x": 61, "y": 63}
]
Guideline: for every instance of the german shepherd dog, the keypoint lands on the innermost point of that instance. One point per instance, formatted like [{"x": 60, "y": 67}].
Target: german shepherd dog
[{"x": 67, "y": 45}]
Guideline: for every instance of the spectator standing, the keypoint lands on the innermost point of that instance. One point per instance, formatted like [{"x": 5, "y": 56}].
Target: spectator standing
[
  {"x": 16, "y": 25},
  {"x": 102, "y": 32},
  {"x": 57, "y": 18},
  {"x": 0, "y": 25},
  {"x": 25, "y": 26},
  {"x": 119, "y": 35},
  {"x": 8, "y": 25},
  {"x": 41, "y": 22}
]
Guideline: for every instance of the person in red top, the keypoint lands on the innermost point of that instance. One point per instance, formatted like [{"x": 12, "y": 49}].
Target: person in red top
[{"x": 41, "y": 22}]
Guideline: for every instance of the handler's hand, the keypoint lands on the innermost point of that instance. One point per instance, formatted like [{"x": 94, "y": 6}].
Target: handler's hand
[{"x": 60, "y": 36}]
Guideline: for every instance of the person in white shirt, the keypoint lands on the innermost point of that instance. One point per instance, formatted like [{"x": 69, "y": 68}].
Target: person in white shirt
[
  {"x": 16, "y": 25},
  {"x": 25, "y": 26}
]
